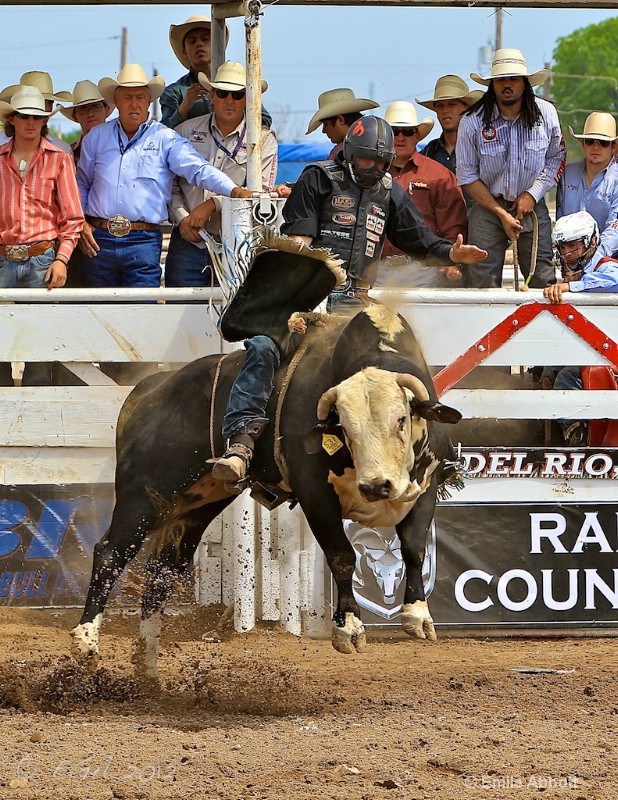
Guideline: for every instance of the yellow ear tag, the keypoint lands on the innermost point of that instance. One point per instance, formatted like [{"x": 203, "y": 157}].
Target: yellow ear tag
[{"x": 331, "y": 443}]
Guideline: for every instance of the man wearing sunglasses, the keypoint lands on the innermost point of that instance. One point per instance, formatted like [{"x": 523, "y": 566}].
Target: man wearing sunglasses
[
  {"x": 221, "y": 138},
  {"x": 592, "y": 184},
  {"x": 435, "y": 191},
  {"x": 187, "y": 98}
]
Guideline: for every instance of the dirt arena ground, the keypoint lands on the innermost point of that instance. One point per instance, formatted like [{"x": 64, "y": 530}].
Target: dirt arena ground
[{"x": 273, "y": 717}]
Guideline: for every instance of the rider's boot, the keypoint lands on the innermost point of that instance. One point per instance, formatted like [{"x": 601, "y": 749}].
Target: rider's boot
[{"x": 233, "y": 466}]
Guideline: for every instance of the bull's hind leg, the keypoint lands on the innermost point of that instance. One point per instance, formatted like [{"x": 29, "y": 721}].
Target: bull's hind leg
[
  {"x": 415, "y": 617},
  {"x": 131, "y": 521},
  {"x": 162, "y": 574}
]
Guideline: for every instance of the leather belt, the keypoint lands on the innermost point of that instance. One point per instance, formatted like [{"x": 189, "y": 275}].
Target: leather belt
[
  {"x": 121, "y": 226},
  {"x": 354, "y": 287},
  {"x": 22, "y": 252}
]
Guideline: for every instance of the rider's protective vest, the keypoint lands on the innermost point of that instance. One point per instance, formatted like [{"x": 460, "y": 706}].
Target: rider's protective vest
[{"x": 353, "y": 221}]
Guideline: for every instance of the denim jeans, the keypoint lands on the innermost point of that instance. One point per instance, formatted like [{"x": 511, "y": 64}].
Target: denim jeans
[
  {"x": 124, "y": 261},
  {"x": 253, "y": 385},
  {"x": 28, "y": 274},
  {"x": 485, "y": 230},
  {"x": 187, "y": 265}
]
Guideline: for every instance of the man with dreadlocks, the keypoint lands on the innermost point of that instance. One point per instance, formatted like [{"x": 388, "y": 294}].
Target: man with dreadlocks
[{"x": 510, "y": 153}]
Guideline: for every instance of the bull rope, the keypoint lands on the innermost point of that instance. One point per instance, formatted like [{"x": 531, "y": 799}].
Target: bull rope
[
  {"x": 215, "y": 384},
  {"x": 533, "y": 255}
]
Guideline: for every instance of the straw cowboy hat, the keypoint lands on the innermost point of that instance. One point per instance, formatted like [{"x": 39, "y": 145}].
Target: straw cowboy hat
[
  {"x": 178, "y": 33},
  {"x": 231, "y": 75},
  {"x": 402, "y": 114},
  {"x": 26, "y": 100},
  {"x": 509, "y": 63},
  {"x": 598, "y": 125},
  {"x": 131, "y": 76},
  {"x": 43, "y": 82},
  {"x": 451, "y": 87},
  {"x": 85, "y": 93},
  {"x": 337, "y": 102}
]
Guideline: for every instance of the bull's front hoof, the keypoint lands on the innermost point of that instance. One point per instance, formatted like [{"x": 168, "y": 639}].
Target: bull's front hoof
[
  {"x": 417, "y": 622},
  {"x": 350, "y": 637},
  {"x": 85, "y": 644}
]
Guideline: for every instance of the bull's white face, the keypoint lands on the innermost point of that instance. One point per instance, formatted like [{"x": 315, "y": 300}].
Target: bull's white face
[{"x": 374, "y": 413}]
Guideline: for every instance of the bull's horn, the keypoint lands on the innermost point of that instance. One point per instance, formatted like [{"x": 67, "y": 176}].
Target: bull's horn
[
  {"x": 326, "y": 402},
  {"x": 416, "y": 386}
]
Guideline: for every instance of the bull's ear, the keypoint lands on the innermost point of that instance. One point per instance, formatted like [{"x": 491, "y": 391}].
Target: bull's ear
[{"x": 435, "y": 412}]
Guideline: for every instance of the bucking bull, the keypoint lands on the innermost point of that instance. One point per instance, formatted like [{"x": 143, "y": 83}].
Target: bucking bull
[{"x": 361, "y": 384}]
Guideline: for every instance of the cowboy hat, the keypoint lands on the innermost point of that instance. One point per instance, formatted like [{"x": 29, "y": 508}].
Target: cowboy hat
[
  {"x": 178, "y": 33},
  {"x": 131, "y": 76},
  {"x": 85, "y": 93},
  {"x": 598, "y": 125},
  {"x": 42, "y": 81},
  {"x": 338, "y": 102},
  {"x": 231, "y": 75},
  {"x": 451, "y": 87},
  {"x": 402, "y": 114},
  {"x": 510, "y": 63},
  {"x": 26, "y": 100}
]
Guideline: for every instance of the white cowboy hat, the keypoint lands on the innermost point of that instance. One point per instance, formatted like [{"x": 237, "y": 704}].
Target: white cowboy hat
[
  {"x": 131, "y": 76},
  {"x": 26, "y": 100},
  {"x": 337, "y": 102},
  {"x": 402, "y": 114},
  {"x": 598, "y": 125},
  {"x": 178, "y": 33},
  {"x": 231, "y": 75},
  {"x": 451, "y": 87},
  {"x": 43, "y": 82},
  {"x": 85, "y": 93},
  {"x": 510, "y": 63}
]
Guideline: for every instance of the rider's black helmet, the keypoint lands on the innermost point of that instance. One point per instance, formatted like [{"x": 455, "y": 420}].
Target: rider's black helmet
[{"x": 369, "y": 137}]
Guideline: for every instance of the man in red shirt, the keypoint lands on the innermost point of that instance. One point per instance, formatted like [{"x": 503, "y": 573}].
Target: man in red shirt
[
  {"x": 432, "y": 187},
  {"x": 40, "y": 210}
]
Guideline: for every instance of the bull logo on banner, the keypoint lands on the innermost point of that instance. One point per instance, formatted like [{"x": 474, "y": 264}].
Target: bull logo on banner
[{"x": 379, "y": 577}]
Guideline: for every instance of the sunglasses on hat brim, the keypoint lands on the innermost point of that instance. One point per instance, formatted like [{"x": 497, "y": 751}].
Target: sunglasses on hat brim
[
  {"x": 405, "y": 131},
  {"x": 237, "y": 95}
]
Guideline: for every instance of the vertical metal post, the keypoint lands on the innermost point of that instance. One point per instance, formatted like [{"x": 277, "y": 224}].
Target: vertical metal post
[
  {"x": 217, "y": 45},
  {"x": 244, "y": 563},
  {"x": 253, "y": 10}
]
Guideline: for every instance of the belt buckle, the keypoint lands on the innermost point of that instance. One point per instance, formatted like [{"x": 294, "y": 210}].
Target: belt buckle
[
  {"x": 17, "y": 252},
  {"x": 119, "y": 226}
]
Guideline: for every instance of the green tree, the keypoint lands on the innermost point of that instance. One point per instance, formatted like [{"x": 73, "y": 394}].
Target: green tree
[{"x": 585, "y": 74}]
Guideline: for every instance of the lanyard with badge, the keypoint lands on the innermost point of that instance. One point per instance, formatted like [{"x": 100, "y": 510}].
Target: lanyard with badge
[
  {"x": 121, "y": 146},
  {"x": 223, "y": 148}
]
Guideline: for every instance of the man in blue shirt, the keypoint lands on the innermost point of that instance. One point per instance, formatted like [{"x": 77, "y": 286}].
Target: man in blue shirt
[
  {"x": 125, "y": 176},
  {"x": 592, "y": 184}
]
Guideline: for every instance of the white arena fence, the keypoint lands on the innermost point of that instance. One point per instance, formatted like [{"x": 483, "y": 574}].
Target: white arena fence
[{"x": 64, "y": 435}]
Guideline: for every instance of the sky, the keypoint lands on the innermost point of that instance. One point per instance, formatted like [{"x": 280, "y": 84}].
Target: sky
[{"x": 383, "y": 53}]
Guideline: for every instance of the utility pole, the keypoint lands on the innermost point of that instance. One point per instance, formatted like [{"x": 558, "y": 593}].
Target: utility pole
[
  {"x": 499, "y": 15},
  {"x": 547, "y": 82},
  {"x": 123, "y": 48}
]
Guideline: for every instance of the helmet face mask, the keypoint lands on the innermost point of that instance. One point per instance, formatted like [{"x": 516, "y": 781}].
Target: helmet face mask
[
  {"x": 575, "y": 239},
  {"x": 369, "y": 138}
]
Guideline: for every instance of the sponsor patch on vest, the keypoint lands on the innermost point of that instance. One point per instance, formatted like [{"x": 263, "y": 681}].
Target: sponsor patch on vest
[
  {"x": 343, "y": 219},
  {"x": 374, "y": 224},
  {"x": 489, "y": 134},
  {"x": 343, "y": 201},
  {"x": 370, "y": 249},
  {"x": 373, "y": 236},
  {"x": 377, "y": 210}
]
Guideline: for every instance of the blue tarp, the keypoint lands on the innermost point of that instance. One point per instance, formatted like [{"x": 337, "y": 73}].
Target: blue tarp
[{"x": 293, "y": 158}]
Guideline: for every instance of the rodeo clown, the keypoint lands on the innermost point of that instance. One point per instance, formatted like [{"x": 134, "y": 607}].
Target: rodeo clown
[
  {"x": 584, "y": 268},
  {"x": 347, "y": 207}
]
